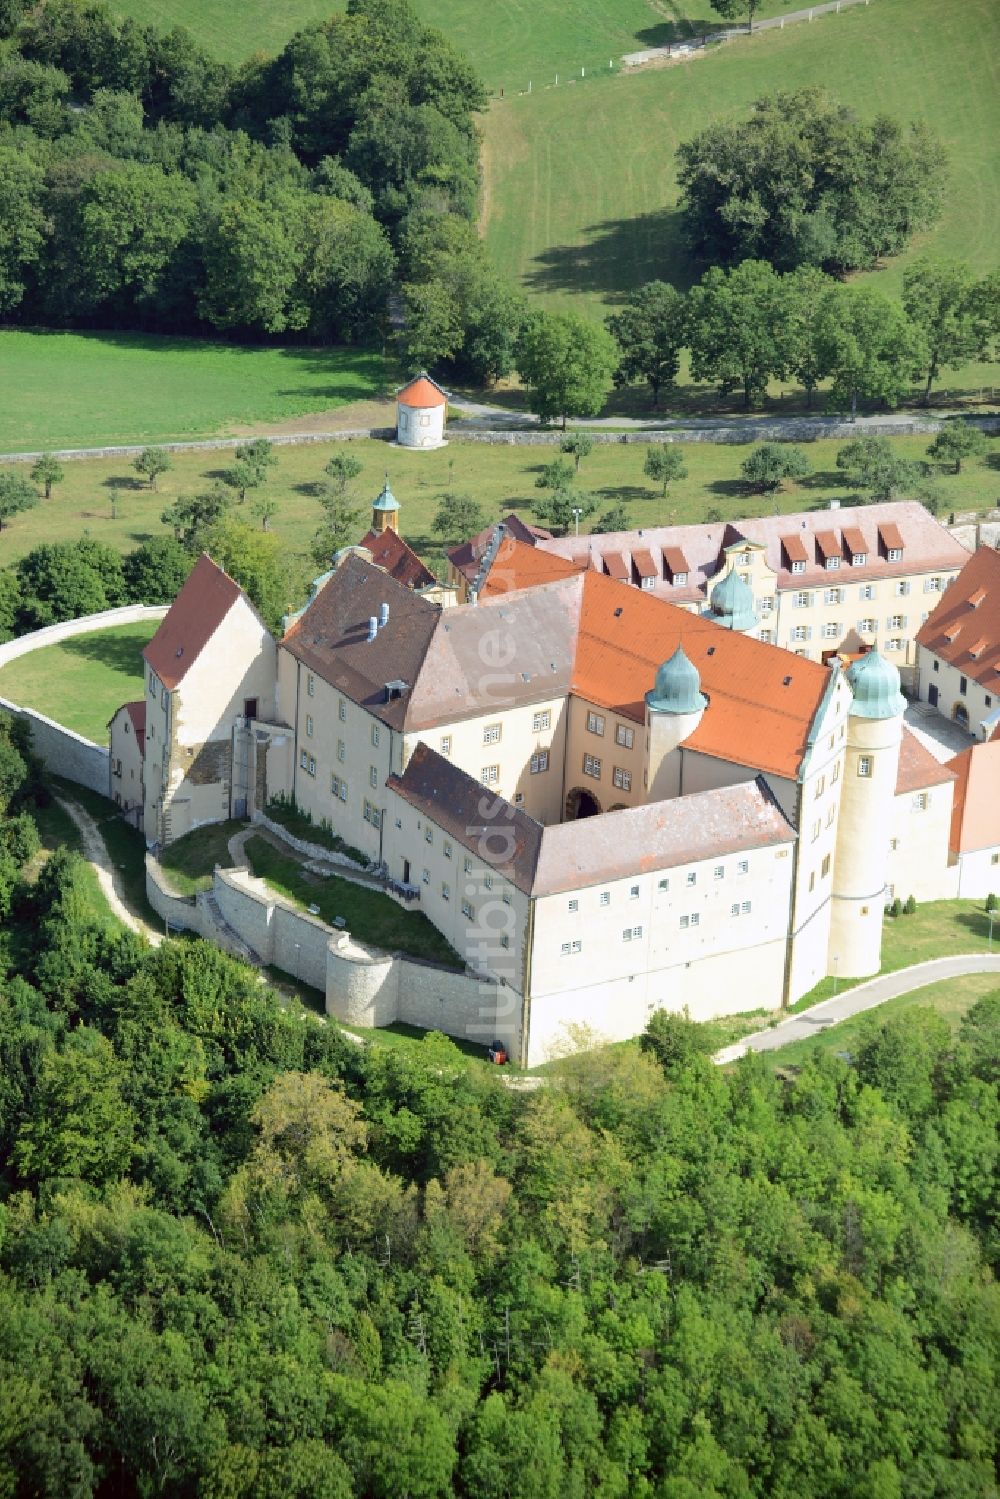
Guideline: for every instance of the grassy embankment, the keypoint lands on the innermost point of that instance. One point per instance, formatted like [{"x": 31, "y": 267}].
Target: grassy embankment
[
  {"x": 498, "y": 477},
  {"x": 580, "y": 195}
]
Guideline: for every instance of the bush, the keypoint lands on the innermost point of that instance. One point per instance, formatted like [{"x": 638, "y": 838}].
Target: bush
[
  {"x": 286, "y": 811},
  {"x": 895, "y": 908},
  {"x": 909, "y": 909},
  {"x": 991, "y": 902}
]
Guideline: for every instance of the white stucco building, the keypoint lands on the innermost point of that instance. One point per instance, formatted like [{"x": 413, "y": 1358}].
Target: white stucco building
[
  {"x": 958, "y": 648},
  {"x": 421, "y": 413}
]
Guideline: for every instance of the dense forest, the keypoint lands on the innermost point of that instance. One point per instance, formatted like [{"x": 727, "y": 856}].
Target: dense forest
[
  {"x": 241, "y": 1255},
  {"x": 145, "y": 185}
]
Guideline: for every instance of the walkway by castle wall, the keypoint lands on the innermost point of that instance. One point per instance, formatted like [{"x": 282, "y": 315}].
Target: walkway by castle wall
[{"x": 179, "y": 912}]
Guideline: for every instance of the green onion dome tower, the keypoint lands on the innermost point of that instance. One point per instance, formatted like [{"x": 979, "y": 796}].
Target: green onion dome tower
[
  {"x": 867, "y": 801},
  {"x": 731, "y": 604},
  {"x": 674, "y": 708}
]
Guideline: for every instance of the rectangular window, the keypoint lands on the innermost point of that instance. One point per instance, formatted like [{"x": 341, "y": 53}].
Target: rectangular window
[
  {"x": 896, "y": 622},
  {"x": 622, "y": 778},
  {"x": 372, "y": 814},
  {"x": 375, "y": 735},
  {"x": 469, "y": 910},
  {"x": 426, "y": 876},
  {"x": 801, "y": 632},
  {"x": 894, "y": 643},
  {"x": 428, "y": 834},
  {"x": 802, "y": 600},
  {"x": 685, "y": 922},
  {"x": 858, "y": 559},
  {"x": 467, "y": 866},
  {"x": 595, "y": 723},
  {"x": 632, "y": 934},
  {"x": 539, "y": 762},
  {"x": 995, "y": 858},
  {"x": 832, "y": 563},
  {"x": 903, "y": 587},
  {"x": 592, "y": 766},
  {"x": 491, "y": 733},
  {"x": 866, "y": 591},
  {"x": 487, "y": 882},
  {"x": 605, "y": 898},
  {"x": 312, "y": 765},
  {"x": 341, "y": 751},
  {"x": 833, "y": 596},
  {"x": 309, "y": 726},
  {"x": 633, "y": 892},
  {"x": 572, "y": 905},
  {"x": 920, "y": 801},
  {"x": 864, "y": 765},
  {"x": 825, "y": 866},
  {"x": 814, "y": 831},
  {"x": 542, "y": 720},
  {"x": 831, "y": 813},
  {"x": 152, "y": 686},
  {"x": 447, "y": 849},
  {"x": 895, "y": 554},
  {"x": 867, "y": 626},
  {"x": 692, "y": 877},
  {"x": 820, "y": 786},
  {"x": 311, "y": 685},
  {"x": 743, "y": 867},
  {"x": 720, "y": 871},
  {"x": 569, "y": 948},
  {"x": 373, "y": 776},
  {"x": 504, "y": 940},
  {"x": 342, "y": 710},
  {"x": 766, "y": 604},
  {"x": 745, "y": 908},
  {"x": 963, "y": 686},
  {"x": 445, "y": 891},
  {"x": 303, "y": 760},
  {"x": 680, "y": 580},
  {"x": 446, "y": 744},
  {"x": 835, "y": 773},
  {"x": 734, "y": 909},
  {"x": 832, "y": 630},
  {"x": 490, "y": 775},
  {"x": 624, "y": 736},
  {"x": 338, "y": 788},
  {"x": 767, "y": 637},
  {"x": 799, "y": 566}
]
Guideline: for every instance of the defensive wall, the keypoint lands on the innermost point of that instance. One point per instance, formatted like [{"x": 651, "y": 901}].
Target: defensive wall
[
  {"x": 301, "y": 846},
  {"x": 363, "y": 986},
  {"x": 60, "y": 750},
  {"x": 786, "y": 429}
]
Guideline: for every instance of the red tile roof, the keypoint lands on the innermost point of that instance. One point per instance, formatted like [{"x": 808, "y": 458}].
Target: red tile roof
[
  {"x": 975, "y": 818},
  {"x": 616, "y": 566},
  {"x": 918, "y": 768},
  {"x": 518, "y": 566},
  {"x": 422, "y": 391},
  {"x": 391, "y": 553},
  {"x": 191, "y": 621},
  {"x": 890, "y": 536},
  {"x": 644, "y": 564},
  {"x": 854, "y": 538},
  {"x": 675, "y": 560},
  {"x": 795, "y": 549},
  {"x": 959, "y": 627},
  {"x": 466, "y": 557},
  {"x": 829, "y": 544}
]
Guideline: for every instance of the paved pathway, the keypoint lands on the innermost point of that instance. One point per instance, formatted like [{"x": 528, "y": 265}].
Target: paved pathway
[
  {"x": 944, "y": 738},
  {"x": 95, "y": 851},
  {"x": 855, "y": 1001},
  {"x": 682, "y": 48}
]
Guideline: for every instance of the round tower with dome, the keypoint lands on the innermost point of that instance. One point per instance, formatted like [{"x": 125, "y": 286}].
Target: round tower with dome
[
  {"x": 871, "y": 763},
  {"x": 731, "y": 604},
  {"x": 385, "y": 510},
  {"x": 674, "y": 707}
]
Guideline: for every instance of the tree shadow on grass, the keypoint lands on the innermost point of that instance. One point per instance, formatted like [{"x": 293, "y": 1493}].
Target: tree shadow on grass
[
  {"x": 125, "y": 481},
  {"x": 830, "y": 478},
  {"x": 681, "y": 29},
  {"x": 121, "y": 653},
  {"x": 618, "y": 255}
]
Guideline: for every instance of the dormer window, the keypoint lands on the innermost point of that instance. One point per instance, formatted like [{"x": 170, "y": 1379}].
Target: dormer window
[
  {"x": 799, "y": 566},
  {"x": 832, "y": 563},
  {"x": 858, "y": 559},
  {"x": 680, "y": 579},
  {"x": 895, "y": 554}
]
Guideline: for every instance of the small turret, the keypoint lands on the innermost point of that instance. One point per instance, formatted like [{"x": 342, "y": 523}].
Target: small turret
[
  {"x": 674, "y": 706},
  {"x": 731, "y": 603},
  {"x": 874, "y": 681},
  {"x": 385, "y": 510}
]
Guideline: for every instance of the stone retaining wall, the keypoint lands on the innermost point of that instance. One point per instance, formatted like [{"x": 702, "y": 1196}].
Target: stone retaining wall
[
  {"x": 787, "y": 429},
  {"x": 178, "y": 911},
  {"x": 307, "y": 850},
  {"x": 207, "y": 445},
  {"x": 130, "y": 614}
]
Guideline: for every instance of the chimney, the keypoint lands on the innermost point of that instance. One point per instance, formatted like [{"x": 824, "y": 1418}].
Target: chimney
[
  {"x": 372, "y": 626},
  {"x": 383, "y": 616},
  {"x": 834, "y": 504}
]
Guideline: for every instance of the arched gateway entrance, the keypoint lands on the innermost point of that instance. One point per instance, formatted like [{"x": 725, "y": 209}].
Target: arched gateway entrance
[{"x": 581, "y": 803}]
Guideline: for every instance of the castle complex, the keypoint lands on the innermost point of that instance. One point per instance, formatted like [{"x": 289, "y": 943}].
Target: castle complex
[{"x": 607, "y": 803}]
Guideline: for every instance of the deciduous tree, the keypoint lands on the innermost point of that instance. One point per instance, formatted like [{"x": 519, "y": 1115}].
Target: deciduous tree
[
  {"x": 957, "y": 441},
  {"x": 664, "y": 464},
  {"x": 771, "y": 462},
  {"x": 651, "y": 330},
  {"x": 151, "y": 463},
  {"x": 566, "y": 363}
]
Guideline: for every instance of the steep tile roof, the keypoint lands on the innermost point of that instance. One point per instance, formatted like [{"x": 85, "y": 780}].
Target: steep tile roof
[
  {"x": 422, "y": 391},
  {"x": 926, "y": 546},
  {"x": 191, "y": 621},
  {"x": 659, "y": 835},
  {"x": 466, "y": 557},
  {"x": 330, "y": 636},
  {"x": 964, "y": 629},
  {"x": 390, "y": 552},
  {"x": 518, "y": 566},
  {"x": 918, "y": 768},
  {"x": 462, "y": 807},
  {"x": 975, "y": 817}
]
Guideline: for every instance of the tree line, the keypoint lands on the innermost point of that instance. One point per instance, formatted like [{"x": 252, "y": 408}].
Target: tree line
[
  {"x": 244, "y": 1257},
  {"x": 143, "y": 184}
]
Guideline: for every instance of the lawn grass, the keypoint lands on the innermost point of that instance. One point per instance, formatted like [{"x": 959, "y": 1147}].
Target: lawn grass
[
  {"x": 580, "y": 191},
  {"x": 83, "y": 681},
  {"x": 64, "y": 390},
  {"x": 191, "y": 860},
  {"x": 508, "y": 44},
  {"x": 58, "y": 830},
  {"x": 950, "y": 998},
  {"x": 498, "y": 477},
  {"x": 370, "y": 916}
]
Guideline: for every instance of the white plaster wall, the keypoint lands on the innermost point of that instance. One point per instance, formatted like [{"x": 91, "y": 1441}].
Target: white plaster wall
[
  {"x": 866, "y": 817},
  {"x": 581, "y": 741},
  {"x": 910, "y": 596},
  {"x": 543, "y": 792},
  {"x": 126, "y": 783},
  {"x": 420, "y": 426},
  {"x": 948, "y": 680},
  {"x": 920, "y": 863},
  {"x": 978, "y": 874}
]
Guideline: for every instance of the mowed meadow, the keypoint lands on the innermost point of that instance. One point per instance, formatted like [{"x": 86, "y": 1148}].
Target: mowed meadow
[
  {"x": 579, "y": 199},
  {"x": 498, "y": 478},
  {"x": 509, "y": 43},
  {"x": 88, "y": 390}
]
